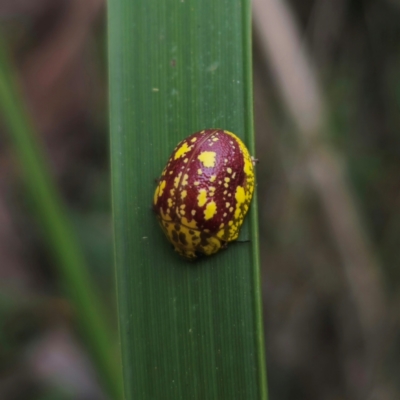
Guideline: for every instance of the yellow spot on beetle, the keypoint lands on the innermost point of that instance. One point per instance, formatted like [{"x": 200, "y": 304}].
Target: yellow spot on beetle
[
  {"x": 182, "y": 150},
  {"x": 213, "y": 178},
  {"x": 202, "y": 198},
  {"x": 199, "y": 171},
  {"x": 156, "y": 194},
  {"x": 207, "y": 158},
  {"x": 191, "y": 224},
  {"x": 229, "y": 170},
  {"x": 210, "y": 211},
  {"x": 221, "y": 233},
  {"x": 248, "y": 166},
  {"x": 177, "y": 179},
  {"x": 162, "y": 187},
  {"x": 183, "y": 194},
  {"x": 240, "y": 196},
  {"x": 165, "y": 216}
]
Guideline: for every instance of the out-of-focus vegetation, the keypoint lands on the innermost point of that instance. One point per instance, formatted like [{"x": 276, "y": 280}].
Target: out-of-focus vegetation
[
  {"x": 329, "y": 222},
  {"x": 317, "y": 346}
]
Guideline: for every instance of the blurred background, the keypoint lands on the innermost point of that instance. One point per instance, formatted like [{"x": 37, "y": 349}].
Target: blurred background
[{"x": 327, "y": 94}]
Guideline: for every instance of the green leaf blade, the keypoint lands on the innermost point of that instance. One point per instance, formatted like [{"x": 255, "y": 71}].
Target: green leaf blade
[{"x": 188, "y": 330}]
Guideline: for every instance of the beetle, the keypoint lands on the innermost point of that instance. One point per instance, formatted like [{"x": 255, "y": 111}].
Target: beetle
[{"x": 204, "y": 192}]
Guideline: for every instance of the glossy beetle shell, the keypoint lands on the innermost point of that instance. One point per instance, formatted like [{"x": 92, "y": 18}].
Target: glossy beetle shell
[{"x": 204, "y": 192}]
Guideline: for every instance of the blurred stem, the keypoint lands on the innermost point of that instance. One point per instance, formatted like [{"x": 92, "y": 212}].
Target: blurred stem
[{"x": 62, "y": 242}]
